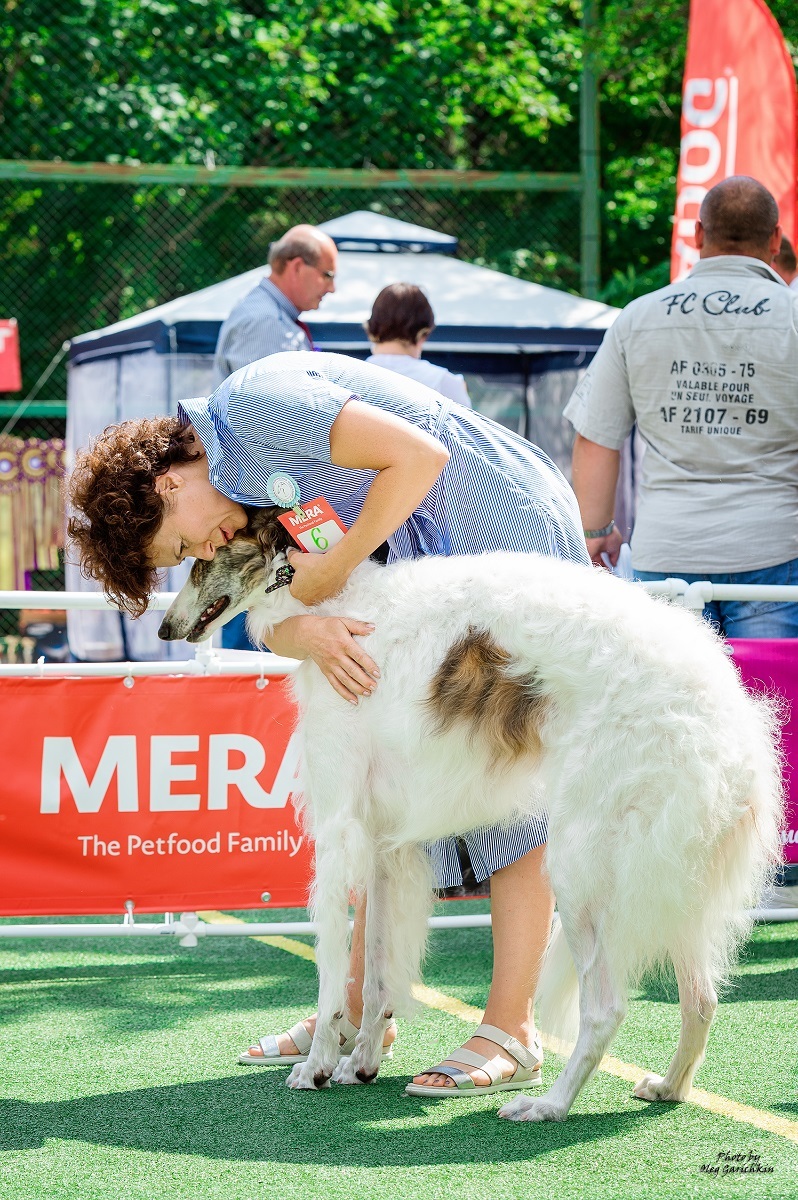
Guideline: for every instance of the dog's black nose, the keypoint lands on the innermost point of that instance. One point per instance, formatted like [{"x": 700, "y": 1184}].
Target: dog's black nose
[{"x": 165, "y": 632}]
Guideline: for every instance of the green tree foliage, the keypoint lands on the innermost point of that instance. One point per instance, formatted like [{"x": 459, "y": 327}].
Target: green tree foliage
[{"x": 427, "y": 83}]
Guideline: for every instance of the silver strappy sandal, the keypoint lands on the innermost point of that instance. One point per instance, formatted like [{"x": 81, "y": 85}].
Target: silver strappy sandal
[
  {"x": 303, "y": 1041},
  {"x": 527, "y": 1074}
]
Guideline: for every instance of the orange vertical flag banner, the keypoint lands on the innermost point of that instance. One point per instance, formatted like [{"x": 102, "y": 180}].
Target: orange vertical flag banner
[{"x": 739, "y": 105}]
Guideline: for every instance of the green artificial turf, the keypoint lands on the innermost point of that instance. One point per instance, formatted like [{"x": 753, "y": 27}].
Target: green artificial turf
[{"x": 120, "y": 1082}]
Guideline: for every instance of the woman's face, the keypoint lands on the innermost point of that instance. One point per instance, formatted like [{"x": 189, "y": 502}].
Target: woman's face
[{"x": 198, "y": 519}]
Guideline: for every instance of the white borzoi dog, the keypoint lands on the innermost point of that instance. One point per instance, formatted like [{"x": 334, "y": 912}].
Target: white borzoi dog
[{"x": 511, "y": 684}]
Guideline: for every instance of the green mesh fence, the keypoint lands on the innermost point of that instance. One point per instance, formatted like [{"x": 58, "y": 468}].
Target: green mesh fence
[
  {"x": 76, "y": 257},
  {"x": 372, "y": 85},
  {"x": 468, "y": 84}
]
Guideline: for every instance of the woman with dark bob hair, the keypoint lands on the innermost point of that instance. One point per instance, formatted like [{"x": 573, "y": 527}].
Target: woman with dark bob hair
[
  {"x": 398, "y": 463},
  {"x": 401, "y": 321}
]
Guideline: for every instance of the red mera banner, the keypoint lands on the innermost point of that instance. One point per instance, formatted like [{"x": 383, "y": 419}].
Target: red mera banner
[
  {"x": 738, "y": 114},
  {"x": 10, "y": 371},
  {"x": 175, "y": 793}
]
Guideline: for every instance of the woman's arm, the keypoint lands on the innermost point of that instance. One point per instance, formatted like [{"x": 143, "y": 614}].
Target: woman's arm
[
  {"x": 330, "y": 642},
  {"x": 407, "y": 460}
]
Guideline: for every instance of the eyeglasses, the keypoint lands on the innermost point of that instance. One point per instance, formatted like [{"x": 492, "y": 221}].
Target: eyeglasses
[{"x": 324, "y": 274}]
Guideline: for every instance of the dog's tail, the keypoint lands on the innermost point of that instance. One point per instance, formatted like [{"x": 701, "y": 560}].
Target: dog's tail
[
  {"x": 557, "y": 995},
  {"x": 745, "y": 859}
]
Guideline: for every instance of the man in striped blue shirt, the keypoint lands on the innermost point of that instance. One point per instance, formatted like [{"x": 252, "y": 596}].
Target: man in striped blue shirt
[{"x": 266, "y": 321}]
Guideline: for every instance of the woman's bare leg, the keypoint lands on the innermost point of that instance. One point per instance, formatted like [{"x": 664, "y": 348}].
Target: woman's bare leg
[{"x": 522, "y": 905}]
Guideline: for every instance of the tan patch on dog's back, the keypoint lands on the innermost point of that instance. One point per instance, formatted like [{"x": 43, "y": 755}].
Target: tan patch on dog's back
[{"x": 472, "y": 686}]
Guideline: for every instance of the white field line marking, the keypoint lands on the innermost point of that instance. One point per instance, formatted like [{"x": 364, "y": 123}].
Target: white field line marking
[{"x": 742, "y": 1113}]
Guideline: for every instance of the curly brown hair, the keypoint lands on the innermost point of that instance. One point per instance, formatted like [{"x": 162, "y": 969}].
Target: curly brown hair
[{"x": 118, "y": 511}]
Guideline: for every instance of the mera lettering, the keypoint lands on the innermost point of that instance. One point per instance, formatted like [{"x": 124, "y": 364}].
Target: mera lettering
[{"x": 66, "y": 778}]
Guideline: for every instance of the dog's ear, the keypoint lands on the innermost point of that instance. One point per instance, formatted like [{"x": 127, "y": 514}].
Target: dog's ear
[{"x": 272, "y": 537}]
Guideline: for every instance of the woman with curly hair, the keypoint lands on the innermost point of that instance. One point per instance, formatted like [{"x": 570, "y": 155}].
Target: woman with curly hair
[{"x": 400, "y": 464}]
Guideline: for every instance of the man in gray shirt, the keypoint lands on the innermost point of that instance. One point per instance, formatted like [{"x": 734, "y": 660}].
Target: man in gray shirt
[
  {"x": 266, "y": 321},
  {"x": 706, "y": 368}
]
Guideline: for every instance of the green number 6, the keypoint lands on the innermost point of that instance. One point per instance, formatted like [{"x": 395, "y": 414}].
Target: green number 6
[{"x": 318, "y": 539}]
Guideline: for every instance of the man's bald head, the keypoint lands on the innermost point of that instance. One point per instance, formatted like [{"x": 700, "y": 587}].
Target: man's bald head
[
  {"x": 738, "y": 216},
  {"x": 303, "y": 241},
  {"x": 303, "y": 265}
]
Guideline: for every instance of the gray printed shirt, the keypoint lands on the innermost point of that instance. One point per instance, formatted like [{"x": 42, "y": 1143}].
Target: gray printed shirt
[{"x": 708, "y": 369}]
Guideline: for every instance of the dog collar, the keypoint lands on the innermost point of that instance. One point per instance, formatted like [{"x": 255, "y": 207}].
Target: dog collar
[{"x": 284, "y": 576}]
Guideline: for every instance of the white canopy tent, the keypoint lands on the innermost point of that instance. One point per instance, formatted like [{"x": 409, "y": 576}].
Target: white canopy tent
[{"x": 520, "y": 345}]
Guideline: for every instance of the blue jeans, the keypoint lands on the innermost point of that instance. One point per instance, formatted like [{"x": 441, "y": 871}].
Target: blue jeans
[{"x": 745, "y": 618}]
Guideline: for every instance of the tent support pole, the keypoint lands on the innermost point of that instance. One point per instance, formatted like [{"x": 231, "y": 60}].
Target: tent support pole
[{"x": 589, "y": 157}]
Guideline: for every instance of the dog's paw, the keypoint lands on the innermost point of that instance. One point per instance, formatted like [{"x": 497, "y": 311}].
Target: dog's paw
[
  {"x": 652, "y": 1087},
  {"x": 305, "y": 1077},
  {"x": 527, "y": 1108},
  {"x": 348, "y": 1071}
]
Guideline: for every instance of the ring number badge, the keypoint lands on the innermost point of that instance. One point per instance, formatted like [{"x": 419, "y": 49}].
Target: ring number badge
[{"x": 317, "y": 529}]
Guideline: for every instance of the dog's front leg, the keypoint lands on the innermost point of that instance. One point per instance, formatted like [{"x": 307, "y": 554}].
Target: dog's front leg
[
  {"x": 330, "y": 910},
  {"x": 362, "y": 1065}
]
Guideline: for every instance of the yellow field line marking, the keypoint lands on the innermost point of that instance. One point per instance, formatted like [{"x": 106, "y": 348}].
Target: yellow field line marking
[
  {"x": 300, "y": 949},
  {"x": 719, "y": 1105}
]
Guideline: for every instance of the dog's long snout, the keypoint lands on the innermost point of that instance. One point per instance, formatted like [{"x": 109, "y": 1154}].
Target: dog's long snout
[{"x": 165, "y": 632}]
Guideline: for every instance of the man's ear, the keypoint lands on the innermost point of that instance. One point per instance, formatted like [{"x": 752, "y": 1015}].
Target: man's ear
[
  {"x": 699, "y": 235},
  {"x": 775, "y": 241},
  {"x": 170, "y": 481}
]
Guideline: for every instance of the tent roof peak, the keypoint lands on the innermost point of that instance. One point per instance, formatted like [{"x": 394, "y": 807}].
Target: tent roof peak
[{"x": 374, "y": 233}]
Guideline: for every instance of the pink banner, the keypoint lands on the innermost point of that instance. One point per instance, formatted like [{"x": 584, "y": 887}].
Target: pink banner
[{"x": 774, "y": 665}]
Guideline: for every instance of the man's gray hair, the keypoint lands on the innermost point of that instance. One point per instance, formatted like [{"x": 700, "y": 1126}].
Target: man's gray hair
[
  {"x": 301, "y": 242},
  {"x": 739, "y": 211}
]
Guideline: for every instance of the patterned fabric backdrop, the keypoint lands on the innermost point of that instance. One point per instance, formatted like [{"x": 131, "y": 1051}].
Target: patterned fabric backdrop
[{"x": 31, "y": 510}]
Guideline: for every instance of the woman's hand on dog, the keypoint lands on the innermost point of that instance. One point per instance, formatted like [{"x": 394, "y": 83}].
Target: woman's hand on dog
[
  {"x": 317, "y": 577},
  {"x": 330, "y": 642}
]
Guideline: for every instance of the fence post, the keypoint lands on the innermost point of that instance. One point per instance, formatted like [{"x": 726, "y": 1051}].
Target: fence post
[{"x": 589, "y": 160}]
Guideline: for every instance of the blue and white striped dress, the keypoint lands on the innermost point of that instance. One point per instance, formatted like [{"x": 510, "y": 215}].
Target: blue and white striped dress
[{"x": 496, "y": 492}]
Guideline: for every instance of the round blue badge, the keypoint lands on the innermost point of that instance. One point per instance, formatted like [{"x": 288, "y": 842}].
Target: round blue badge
[{"x": 282, "y": 490}]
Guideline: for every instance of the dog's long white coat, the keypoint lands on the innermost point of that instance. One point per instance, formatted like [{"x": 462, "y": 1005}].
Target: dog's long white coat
[{"x": 658, "y": 772}]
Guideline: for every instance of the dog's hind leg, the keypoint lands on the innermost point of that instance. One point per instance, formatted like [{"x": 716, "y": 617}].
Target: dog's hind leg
[
  {"x": 399, "y": 900},
  {"x": 698, "y": 1003},
  {"x": 602, "y": 1007},
  {"x": 330, "y": 908}
]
